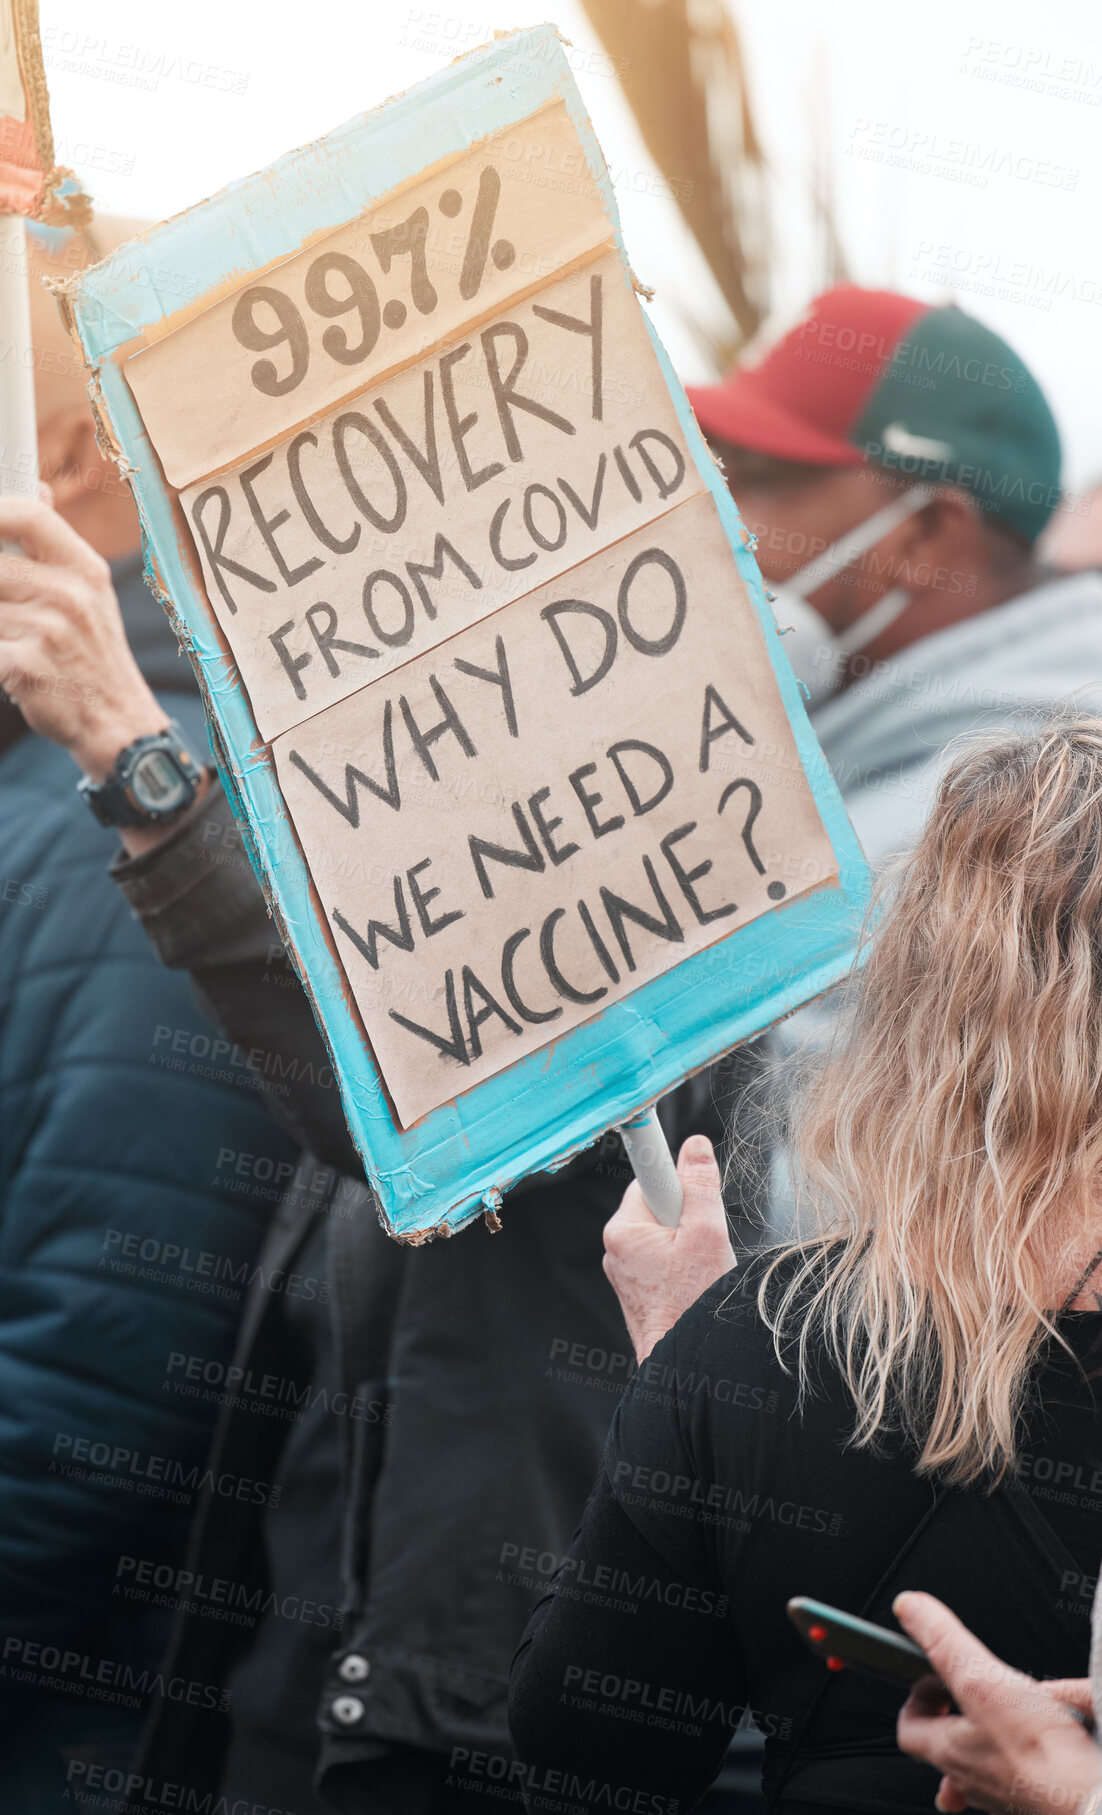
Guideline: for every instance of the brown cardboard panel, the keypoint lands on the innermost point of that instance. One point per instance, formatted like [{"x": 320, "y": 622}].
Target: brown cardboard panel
[
  {"x": 521, "y": 826},
  {"x": 447, "y": 249}
]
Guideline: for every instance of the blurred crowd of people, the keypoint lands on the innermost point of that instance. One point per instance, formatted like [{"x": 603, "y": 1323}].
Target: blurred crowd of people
[{"x": 279, "y": 1495}]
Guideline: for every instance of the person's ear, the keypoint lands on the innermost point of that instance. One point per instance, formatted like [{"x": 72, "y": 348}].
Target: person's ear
[
  {"x": 69, "y": 460},
  {"x": 948, "y": 525}
]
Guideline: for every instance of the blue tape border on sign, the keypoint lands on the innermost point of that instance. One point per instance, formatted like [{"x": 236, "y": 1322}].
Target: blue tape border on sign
[{"x": 562, "y": 1098}]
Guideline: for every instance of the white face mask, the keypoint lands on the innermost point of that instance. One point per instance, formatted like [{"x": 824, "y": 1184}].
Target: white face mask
[{"x": 817, "y": 653}]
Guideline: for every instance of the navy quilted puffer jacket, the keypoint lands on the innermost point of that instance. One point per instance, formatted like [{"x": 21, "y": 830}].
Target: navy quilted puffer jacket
[{"x": 129, "y": 1214}]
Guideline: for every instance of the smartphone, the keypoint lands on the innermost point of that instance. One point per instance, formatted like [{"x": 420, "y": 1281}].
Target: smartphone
[{"x": 841, "y": 1639}]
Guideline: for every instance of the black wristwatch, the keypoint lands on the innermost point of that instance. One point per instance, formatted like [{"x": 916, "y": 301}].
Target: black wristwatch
[{"x": 154, "y": 779}]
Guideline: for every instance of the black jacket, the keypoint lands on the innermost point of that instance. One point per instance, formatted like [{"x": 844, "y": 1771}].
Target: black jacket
[
  {"x": 721, "y": 1495},
  {"x": 469, "y": 1384}
]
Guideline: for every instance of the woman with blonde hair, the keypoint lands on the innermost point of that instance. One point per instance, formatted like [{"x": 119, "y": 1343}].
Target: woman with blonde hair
[{"x": 903, "y": 1397}]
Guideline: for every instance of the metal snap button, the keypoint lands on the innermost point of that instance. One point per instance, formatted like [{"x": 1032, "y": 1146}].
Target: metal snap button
[{"x": 348, "y": 1709}]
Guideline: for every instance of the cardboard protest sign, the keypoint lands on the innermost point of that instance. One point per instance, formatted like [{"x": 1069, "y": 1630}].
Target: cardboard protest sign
[{"x": 496, "y": 693}]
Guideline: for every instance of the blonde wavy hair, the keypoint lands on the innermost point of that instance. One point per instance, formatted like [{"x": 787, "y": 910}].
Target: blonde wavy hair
[{"x": 950, "y": 1148}]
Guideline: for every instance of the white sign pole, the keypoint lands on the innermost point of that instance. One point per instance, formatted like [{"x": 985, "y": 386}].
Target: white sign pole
[
  {"x": 653, "y": 1165},
  {"x": 18, "y": 428}
]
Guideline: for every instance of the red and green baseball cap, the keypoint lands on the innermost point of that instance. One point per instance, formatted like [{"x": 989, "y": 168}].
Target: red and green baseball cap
[{"x": 869, "y": 375}]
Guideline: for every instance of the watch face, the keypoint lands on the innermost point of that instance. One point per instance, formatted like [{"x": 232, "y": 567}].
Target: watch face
[{"x": 157, "y": 783}]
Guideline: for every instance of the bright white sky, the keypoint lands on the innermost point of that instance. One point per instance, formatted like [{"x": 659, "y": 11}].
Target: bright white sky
[{"x": 962, "y": 140}]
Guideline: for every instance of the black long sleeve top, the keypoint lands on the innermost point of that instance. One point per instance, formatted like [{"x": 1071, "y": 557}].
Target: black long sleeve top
[{"x": 718, "y": 1499}]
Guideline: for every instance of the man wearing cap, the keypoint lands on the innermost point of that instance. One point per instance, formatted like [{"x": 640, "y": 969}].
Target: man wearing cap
[{"x": 897, "y": 463}]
